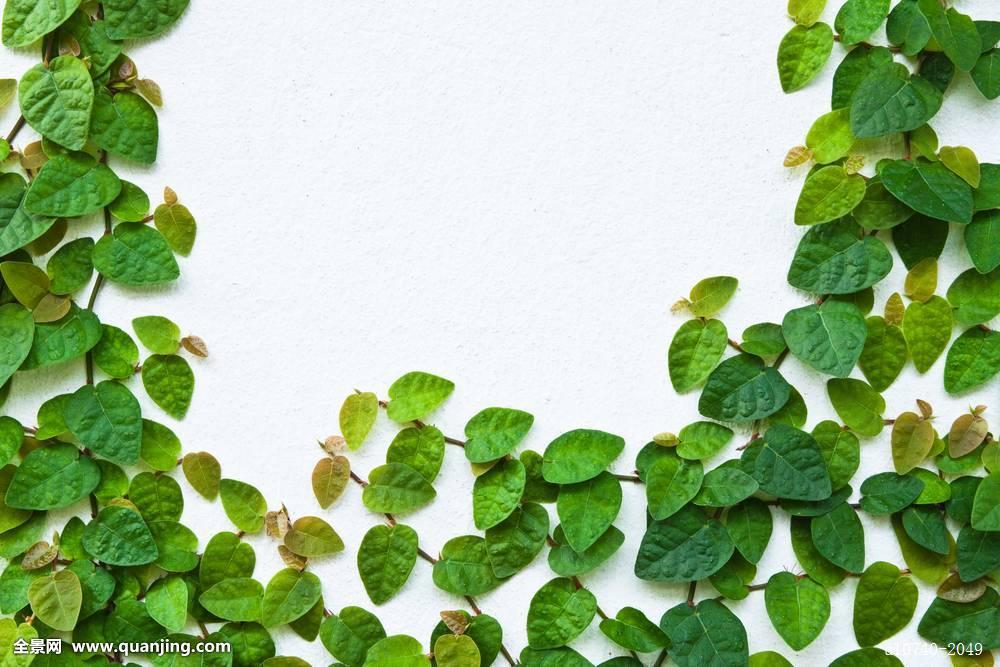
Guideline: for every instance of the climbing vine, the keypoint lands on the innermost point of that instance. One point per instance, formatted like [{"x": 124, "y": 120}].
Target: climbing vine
[{"x": 91, "y": 506}]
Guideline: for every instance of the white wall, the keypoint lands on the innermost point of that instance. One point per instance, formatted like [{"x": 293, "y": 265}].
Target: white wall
[{"x": 509, "y": 194}]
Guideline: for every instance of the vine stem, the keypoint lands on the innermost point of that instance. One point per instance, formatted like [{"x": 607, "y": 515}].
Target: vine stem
[
  {"x": 431, "y": 560},
  {"x": 98, "y": 283}
]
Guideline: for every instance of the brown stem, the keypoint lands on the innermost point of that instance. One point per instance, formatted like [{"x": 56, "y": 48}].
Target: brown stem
[
  {"x": 18, "y": 124},
  {"x": 692, "y": 588},
  {"x": 635, "y": 479},
  {"x": 736, "y": 346}
]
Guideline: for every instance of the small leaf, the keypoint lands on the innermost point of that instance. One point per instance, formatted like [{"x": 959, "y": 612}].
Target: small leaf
[
  {"x": 135, "y": 255},
  {"x": 416, "y": 394},
  {"x": 169, "y": 381},
  {"x": 859, "y": 405},
  {"x": 802, "y": 54},
  {"x": 244, "y": 505},
  {"x": 579, "y": 455},
  {"x": 396, "y": 488},
  {"x": 203, "y": 473},
  {"x": 927, "y": 329},
  {"x": 329, "y": 479},
  {"x": 912, "y": 439},
  {"x": 357, "y": 416},
  {"x": 695, "y": 350},
  {"x": 710, "y": 295},
  {"x": 798, "y": 608},
  {"x": 312, "y": 537},
  {"x": 828, "y": 193},
  {"x": 158, "y": 334},
  {"x": 559, "y": 612},
  {"x": 963, "y": 162},
  {"x": 743, "y": 389}
]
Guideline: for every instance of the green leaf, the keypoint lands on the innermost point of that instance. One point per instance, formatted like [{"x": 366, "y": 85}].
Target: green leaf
[
  {"x": 157, "y": 497},
  {"x": 743, "y": 389},
  {"x": 929, "y": 188},
  {"x": 167, "y": 602},
  {"x": 116, "y": 353},
  {"x": 806, "y": 12},
  {"x": 884, "y": 603},
  {"x": 18, "y": 227},
  {"x": 579, "y": 455},
  {"x": 357, "y": 417},
  {"x": 106, "y": 418},
  {"x": 96, "y": 584},
  {"x": 986, "y": 74},
  {"x": 420, "y": 448},
  {"x": 802, "y": 54},
  {"x": 858, "y": 19},
  {"x": 385, "y": 559},
  {"x": 919, "y": 238},
  {"x": 880, "y": 209},
  {"x": 563, "y": 560},
  {"x": 975, "y": 296},
  {"x": 859, "y": 405},
  {"x": 57, "y": 101},
  {"x": 671, "y": 483},
  {"x": 396, "y": 488},
  {"x": 974, "y": 358},
  {"x": 908, "y": 28},
  {"x": 884, "y": 353},
  {"x": 978, "y": 553},
  {"x": 859, "y": 63},
  {"x": 828, "y": 193},
  {"x": 702, "y": 440},
  {"x": 311, "y": 537},
  {"x": 177, "y": 544},
  {"x": 912, "y": 440},
  {"x": 828, "y": 337},
  {"x": 177, "y": 225},
  {"x": 17, "y": 330},
  {"x": 251, "y": 643},
  {"x": 225, "y": 557},
  {"x": 830, "y": 136},
  {"x": 397, "y": 651},
  {"x": 710, "y": 295},
  {"x": 889, "y": 492},
  {"x": 26, "y": 282},
  {"x": 349, "y": 634},
  {"x": 158, "y": 334},
  {"x": 927, "y": 329},
  {"x": 237, "y": 599},
  {"x": 975, "y": 622},
  {"x": 695, "y": 350},
  {"x": 787, "y": 463},
  {"x": 497, "y": 492},
  {"x": 289, "y": 595},
  {"x": 135, "y": 255},
  {"x": 483, "y": 630},
  {"x": 841, "y": 452},
  {"x": 587, "y": 509},
  {"x": 809, "y": 557},
  {"x": 749, "y": 525},
  {"x": 559, "y": 612},
  {"x": 56, "y": 599},
  {"x": 169, "y": 381},
  {"x": 888, "y": 101},
  {"x": 131, "y": 204},
  {"x": 981, "y": 240},
  {"x": 456, "y": 651},
  {"x": 631, "y": 629},
  {"x": 706, "y": 634},
  {"x": 119, "y": 536},
  {"x": 725, "y": 486},
  {"x": 954, "y": 32},
  {"x": 244, "y": 505},
  {"x": 25, "y": 21},
  {"x": 926, "y": 527},
  {"x": 329, "y": 479},
  {"x": 763, "y": 340},
  {"x": 514, "y": 543},
  {"x": 52, "y": 477},
  {"x": 798, "y": 608},
  {"x": 685, "y": 547},
  {"x": 986, "y": 506},
  {"x": 160, "y": 448},
  {"x": 495, "y": 432},
  {"x": 71, "y": 267},
  {"x": 417, "y": 394},
  {"x": 71, "y": 185},
  {"x": 963, "y": 162},
  {"x": 464, "y": 567},
  {"x": 125, "y": 125},
  {"x": 840, "y": 538},
  {"x": 735, "y": 577},
  {"x": 92, "y": 36},
  {"x": 63, "y": 340},
  {"x": 133, "y": 19},
  {"x": 203, "y": 473},
  {"x": 838, "y": 258}
]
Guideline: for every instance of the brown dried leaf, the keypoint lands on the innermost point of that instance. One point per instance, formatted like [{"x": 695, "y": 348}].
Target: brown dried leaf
[
  {"x": 894, "y": 309},
  {"x": 956, "y": 590},
  {"x": 329, "y": 478},
  {"x": 679, "y": 306},
  {"x": 967, "y": 433},
  {"x": 195, "y": 345},
  {"x": 169, "y": 196},
  {"x": 292, "y": 560},
  {"x": 68, "y": 44},
  {"x": 126, "y": 68},
  {"x": 979, "y": 409},
  {"x": 334, "y": 445},
  {"x": 277, "y": 523},
  {"x": 457, "y": 621},
  {"x": 797, "y": 155},
  {"x": 151, "y": 91},
  {"x": 925, "y": 408},
  {"x": 39, "y": 555},
  {"x": 32, "y": 156}
]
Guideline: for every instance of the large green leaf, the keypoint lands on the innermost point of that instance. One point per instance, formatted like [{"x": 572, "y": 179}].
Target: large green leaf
[
  {"x": 244, "y": 504},
  {"x": 349, "y": 634},
  {"x": 694, "y": 351},
  {"x": 169, "y": 381},
  {"x": 889, "y": 492},
  {"x": 25, "y": 21},
  {"x": 978, "y": 622},
  {"x": 357, "y": 416},
  {"x": 417, "y": 394},
  {"x": 579, "y": 455},
  {"x": 986, "y": 74},
  {"x": 420, "y": 448},
  {"x": 743, "y": 389},
  {"x": 828, "y": 337},
  {"x": 17, "y": 330},
  {"x": 830, "y": 136},
  {"x": 95, "y": 44},
  {"x": 119, "y": 536},
  {"x": 495, "y": 432},
  {"x": 51, "y": 477},
  {"x": 133, "y": 19},
  {"x": 856, "y": 403},
  {"x": 514, "y": 543},
  {"x": 497, "y": 492},
  {"x": 975, "y": 296},
  {"x": 787, "y": 463},
  {"x": 107, "y": 419},
  {"x": 978, "y": 553},
  {"x": 136, "y": 255},
  {"x": 798, "y": 608},
  {"x": 749, "y": 525},
  {"x": 558, "y": 613},
  {"x": 587, "y": 509},
  {"x": 237, "y": 599},
  {"x": 828, "y": 194},
  {"x": 841, "y": 452},
  {"x": 705, "y": 634},
  {"x": 565, "y": 561},
  {"x": 57, "y": 101},
  {"x": 289, "y": 595},
  {"x": 464, "y": 567},
  {"x": 888, "y": 101},
  {"x": 725, "y": 485},
  {"x": 64, "y": 340},
  {"x": 858, "y": 19},
  {"x": 385, "y": 559},
  {"x": 125, "y": 125},
  {"x": 71, "y": 185},
  {"x": 56, "y": 599},
  {"x": 631, "y": 629},
  {"x": 838, "y": 258},
  {"x": 396, "y": 488},
  {"x": 926, "y": 527},
  {"x": 986, "y": 505},
  {"x": 974, "y": 358},
  {"x": 802, "y": 54},
  {"x": 685, "y": 547},
  {"x": 671, "y": 483},
  {"x": 18, "y": 227},
  {"x": 167, "y": 602},
  {"x": 954, "y": 32},
  {"x": 859, "y": 63},
  {"x": 840, "y": 538},
  {"x": 225, "y": 557},
  {"x": 927, "y": 329},
  {"x": 929, "y": 188},
  {"x": 884, "y": 353},
  {"x": 982, "y": 240}
]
